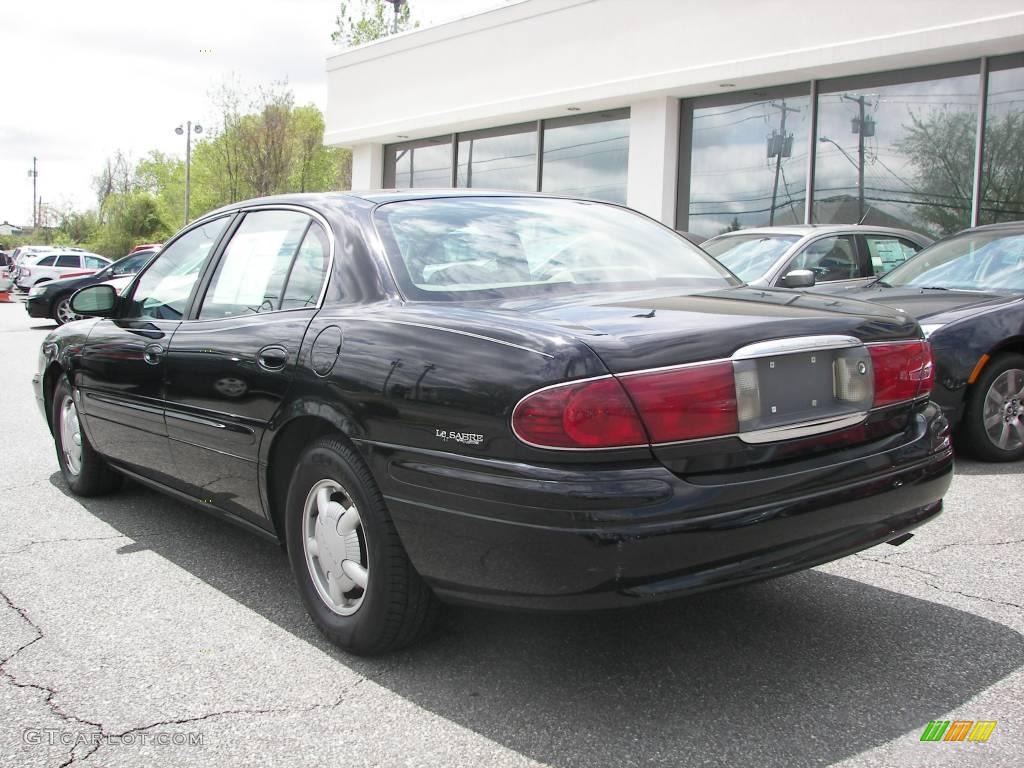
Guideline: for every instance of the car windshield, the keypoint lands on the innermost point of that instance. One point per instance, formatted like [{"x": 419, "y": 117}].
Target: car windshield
[
  {"x": 977, "y": 261},
  {"x": 749, "y": 255},
  {"x": 459, "y": 249}
]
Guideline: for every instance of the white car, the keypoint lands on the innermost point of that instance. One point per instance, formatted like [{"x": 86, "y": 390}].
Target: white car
[{"x": 50, "y": 266}]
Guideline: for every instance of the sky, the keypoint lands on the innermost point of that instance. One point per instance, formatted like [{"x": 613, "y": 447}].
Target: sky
[{"x": 79, "y": 81}]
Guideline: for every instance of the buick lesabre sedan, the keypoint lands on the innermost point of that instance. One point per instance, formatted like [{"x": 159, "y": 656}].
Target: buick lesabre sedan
[{"x": 518, "y": 401}]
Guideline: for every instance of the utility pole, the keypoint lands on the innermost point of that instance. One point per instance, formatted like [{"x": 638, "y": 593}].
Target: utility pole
[
  {"x": 187, "y": 130},
  {"x": 397, "y": 5},
  {"x": 863, "y": 128},
  {"x": 35, "y": 210},
  {"x": 779, "y": 146}
]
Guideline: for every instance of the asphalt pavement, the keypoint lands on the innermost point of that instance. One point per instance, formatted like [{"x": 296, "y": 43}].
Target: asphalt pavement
[{"x": 137, "y": 631}]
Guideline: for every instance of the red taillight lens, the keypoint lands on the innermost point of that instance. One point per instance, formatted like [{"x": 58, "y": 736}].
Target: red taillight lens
[
  {"x": 588, "y": 414},
  {"x": 903, "y": 371},
  {"x": 686, "y": 403}
]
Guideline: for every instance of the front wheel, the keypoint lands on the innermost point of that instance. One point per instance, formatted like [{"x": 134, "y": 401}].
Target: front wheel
[
  {"x": 62, "y": 312},
  {"x": 993, "y": 423},
  {"x": 84, "y": 470},
  {"x": 352, "y": 570}
]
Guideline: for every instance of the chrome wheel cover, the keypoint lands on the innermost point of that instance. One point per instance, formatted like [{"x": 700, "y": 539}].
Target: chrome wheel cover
[
  {"x": 1003, "y": 411},
  {"x": 64, "y": 313},
  {"x": 70, "y": 436},
  {"x": 335, "y": 547}
]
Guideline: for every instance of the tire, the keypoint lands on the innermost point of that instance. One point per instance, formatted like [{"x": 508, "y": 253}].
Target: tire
[
  {"x": 62, "y": 310},
  {"x": 395, "y": 607},
  {"x": 84, "y": 470},
  {"x": 993, "y": 421}
]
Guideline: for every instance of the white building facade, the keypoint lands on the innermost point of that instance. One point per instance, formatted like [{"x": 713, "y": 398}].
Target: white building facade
[{"x": 706, "y": 116}]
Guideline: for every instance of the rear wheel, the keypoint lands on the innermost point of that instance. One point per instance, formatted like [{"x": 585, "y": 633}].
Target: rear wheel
[
  {"x": 352, "y": 570},
  {"x": 84, "y": 470},
  {"x": 993, "y": 425},
  {"x": 62, "y": 310}
]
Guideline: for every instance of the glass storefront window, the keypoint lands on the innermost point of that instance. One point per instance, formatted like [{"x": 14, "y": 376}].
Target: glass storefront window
[
  {"x": 587, "y": 158},
  {"x": 748, "y": 162},
  {"x": 898, "y": 154},
  {"x": 1002, "y": 182},
  {"x": 424, "y": 164},
  {"x": 504, "y": 158}
]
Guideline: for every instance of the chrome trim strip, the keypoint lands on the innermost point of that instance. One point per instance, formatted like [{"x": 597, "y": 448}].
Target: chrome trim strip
[
  {"x": 802, "y": 429},
  {"x": 795, "y": 344}
]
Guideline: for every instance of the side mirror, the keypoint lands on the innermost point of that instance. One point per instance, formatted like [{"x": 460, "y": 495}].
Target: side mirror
[
  {"x": 95, "y": 301},
  {"x": 798, "y": 278}
]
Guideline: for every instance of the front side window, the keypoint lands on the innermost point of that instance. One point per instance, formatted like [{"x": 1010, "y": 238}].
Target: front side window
[
  {"x": 251, "y": 275},
  {"x": 749, "y": 255},
  {"x": 163, "y": 291},
  {"x": 94, "y": 262},
  {"x": 830, "y": 258},
  {"x": 474, "y": 248}
]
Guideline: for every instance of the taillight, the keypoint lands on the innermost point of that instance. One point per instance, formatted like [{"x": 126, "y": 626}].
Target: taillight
[
  {"x": 586, "y": 414},
  {"x": 686, "y": 403},
  {"x": 903, "y": 371}
]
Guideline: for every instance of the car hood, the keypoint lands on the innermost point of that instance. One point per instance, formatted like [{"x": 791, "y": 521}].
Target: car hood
[
  {"x": 933, "y": 306},
  {"x": 634, "y": 331}
]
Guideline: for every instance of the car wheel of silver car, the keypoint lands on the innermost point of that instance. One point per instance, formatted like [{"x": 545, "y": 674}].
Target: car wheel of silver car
[
  {"x": 84, "y": 470},
  {"x": 993, "y": 423},
  {"x": 62, "y": 311},
  {"x": 353, "y": 572}
]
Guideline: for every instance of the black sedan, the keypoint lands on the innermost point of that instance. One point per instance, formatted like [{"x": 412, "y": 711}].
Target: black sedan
[
  {"x": 519, "y": 401},
  {"x": 967, "y": 291},
  {"x": 52, "y": 298}
]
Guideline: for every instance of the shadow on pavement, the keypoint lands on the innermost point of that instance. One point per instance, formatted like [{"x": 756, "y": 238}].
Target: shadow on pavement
[{"x": 805, "y": 670}]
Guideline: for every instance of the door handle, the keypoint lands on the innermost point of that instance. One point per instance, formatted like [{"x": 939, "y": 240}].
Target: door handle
[
  {"x": 272, "y": 358},
  {"x": 153, "y": 354}
]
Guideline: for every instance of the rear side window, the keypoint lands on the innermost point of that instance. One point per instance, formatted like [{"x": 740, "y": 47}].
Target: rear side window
[
  {"x": 306, "y": 280},
  {"x": 47, "y": 261},
  {"x": 887, "y": 252},
  {"x": 68, "y": 260},
  {"x": 251, "y": 274}
]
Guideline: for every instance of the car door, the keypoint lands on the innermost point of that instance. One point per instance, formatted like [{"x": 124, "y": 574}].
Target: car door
[
  {"x": 886, "y": 252},
  {"x": 230, "y": 365},
  {"x": 834, "y": 259},
  {"x": 121, "y": 373}
]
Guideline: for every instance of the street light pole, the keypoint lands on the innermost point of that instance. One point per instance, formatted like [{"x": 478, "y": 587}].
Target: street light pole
[
  {"x": 860, "y": 172},
  {"x": 187, "y": 130},
  {"x": 35, "y": 210}
]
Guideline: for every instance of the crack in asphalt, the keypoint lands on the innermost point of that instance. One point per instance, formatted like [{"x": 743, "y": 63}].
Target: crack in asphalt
[
  {"x": 38, "y": 542},
  {"x": 102, "y": 734},
  {"x": 944, "y": 590},
  {"x": 950, "y": 545}
]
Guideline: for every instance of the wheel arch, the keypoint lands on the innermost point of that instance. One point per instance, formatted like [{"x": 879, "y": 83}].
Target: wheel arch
[
  {"x": 1009, "y": 345},
  {"x": 309, "y": 421},
  {"x": 51, "y": 376}
]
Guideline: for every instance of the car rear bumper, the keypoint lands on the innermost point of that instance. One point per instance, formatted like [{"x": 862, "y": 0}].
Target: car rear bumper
[{"x": 543, "y": 537}]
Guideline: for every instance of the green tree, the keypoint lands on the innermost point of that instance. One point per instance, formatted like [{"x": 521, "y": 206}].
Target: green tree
[{"x": 375, "y": 20}]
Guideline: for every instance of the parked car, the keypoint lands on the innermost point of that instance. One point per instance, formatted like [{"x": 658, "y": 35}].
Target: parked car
[
  {"x": 424, "y": 396},
  {"x": 967, "y": 291},
  {"x": 50, "y": 266},
  {"x": 52, "y": 298},
  {"x": 144, "y": 247},
  {"x": 844, "y": 254}
]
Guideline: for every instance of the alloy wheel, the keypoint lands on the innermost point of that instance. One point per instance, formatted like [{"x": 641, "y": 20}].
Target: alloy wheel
[
  {"x": 71, "y": 436},
  {"x": 1003, "y": 411},
  {"x": 64, "y": 313}
]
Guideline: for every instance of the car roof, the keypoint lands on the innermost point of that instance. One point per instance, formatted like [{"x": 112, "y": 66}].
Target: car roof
[{"x": 803, "y": 230}]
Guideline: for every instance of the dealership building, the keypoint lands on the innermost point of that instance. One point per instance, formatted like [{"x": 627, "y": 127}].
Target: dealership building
[{"x": 706, "y": 116}]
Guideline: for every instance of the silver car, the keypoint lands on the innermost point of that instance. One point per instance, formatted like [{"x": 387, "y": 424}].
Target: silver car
[{"x": 803, "y": 256}]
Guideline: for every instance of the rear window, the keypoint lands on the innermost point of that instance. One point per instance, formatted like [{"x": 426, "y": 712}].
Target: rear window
[{"x": 459, "y": 249}]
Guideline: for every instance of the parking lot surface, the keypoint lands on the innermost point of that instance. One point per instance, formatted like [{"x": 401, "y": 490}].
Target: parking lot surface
[{"x": 135, "y": 630}]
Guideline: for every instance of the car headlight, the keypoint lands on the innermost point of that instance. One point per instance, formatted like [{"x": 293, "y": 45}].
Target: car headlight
[
  {"x": 36, "y": 289},
  {"x": 930, "y": 328}
]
